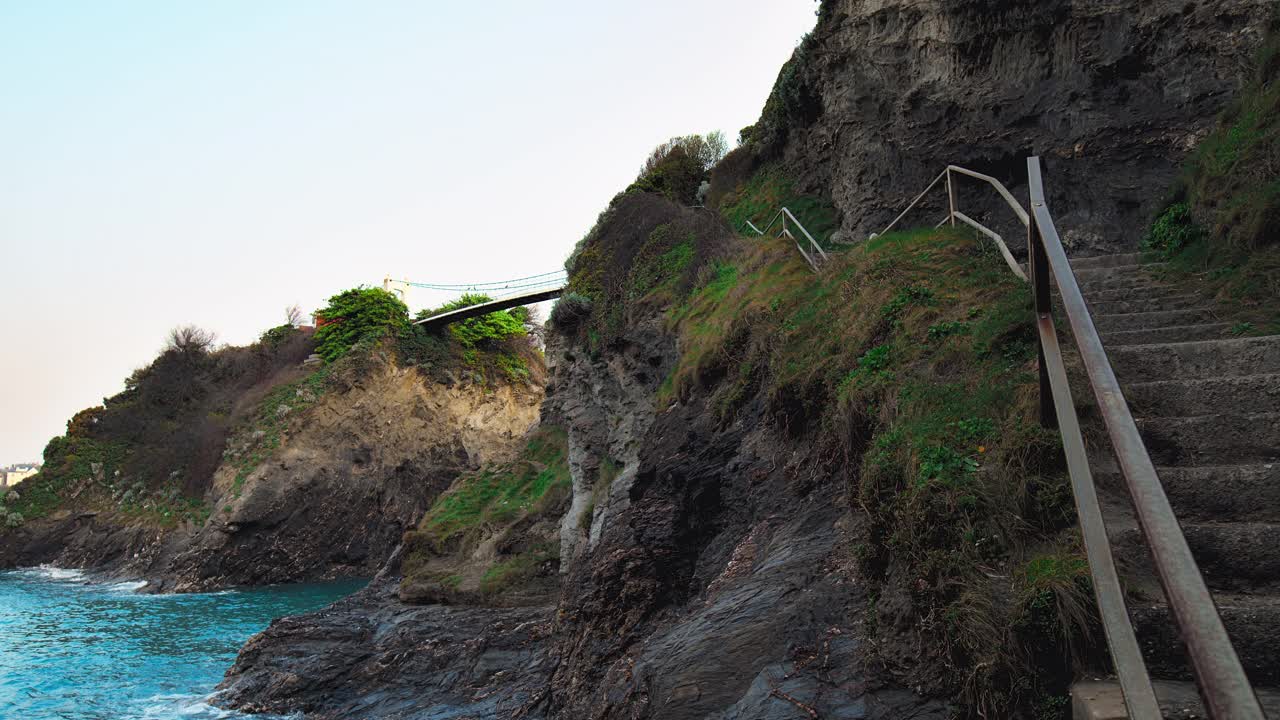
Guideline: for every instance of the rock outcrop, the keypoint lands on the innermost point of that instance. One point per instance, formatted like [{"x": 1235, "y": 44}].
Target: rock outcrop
[
  {"x": 705, "y": 574},
  {"x": 351, "y": 470},
  {"x": 707, "y": 562},
  {"x": 885, "y": 93}
]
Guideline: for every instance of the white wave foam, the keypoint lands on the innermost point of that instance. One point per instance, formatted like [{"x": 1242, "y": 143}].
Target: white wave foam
[
  {"x": 130, "y": 586},
  {"x": 188, "y": 707},
  {"x": 50, "y": 572}
]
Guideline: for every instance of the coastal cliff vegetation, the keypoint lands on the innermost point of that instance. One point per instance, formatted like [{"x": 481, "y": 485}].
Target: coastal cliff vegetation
[{"x": 148, "y": 454}]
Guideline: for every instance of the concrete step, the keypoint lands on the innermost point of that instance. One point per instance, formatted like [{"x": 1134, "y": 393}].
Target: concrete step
[
  {"x": 1200, "y": 359},
  {"x": 1103, "y": 700},
  {"x": 1176, "y": 333},
  {"x": 1105, "y": 261},
  {"x": 1218, "y": 439},
  {"x": 1152, "y": 320},
  {"x": 1242, "y": 493},
  {"x": 1253, "y": 624},
  {"x": 1233, "y": 556},
  {"x": 1187, "y": 398},
  {"x": 1145, "y": 290},
  {"x": 1137, "y": 281},
  {"x": 1131, "y": 270},
  {"x": 1139, "y": 304}
]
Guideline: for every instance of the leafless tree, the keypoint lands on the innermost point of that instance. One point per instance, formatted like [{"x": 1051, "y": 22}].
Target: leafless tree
[
  {"x": 190, "y": 340},
  {"x": 535, "y": 326},
  {"x": 293, "y": 313}
]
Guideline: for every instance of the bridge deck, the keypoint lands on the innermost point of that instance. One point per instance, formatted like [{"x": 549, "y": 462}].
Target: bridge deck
[{"x": 485, "y": 308}]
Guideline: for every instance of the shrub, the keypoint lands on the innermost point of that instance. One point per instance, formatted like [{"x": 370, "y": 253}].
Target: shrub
[
  {"x": 792, "y": 103},
  {"x": 678, "y": 167},
  {"x": 570, "y": 310},
  {"x": 277, "y": 335},
  {"x": 485, "y": 330},
  {"x": 356, "y": 315},
  {"x": 1172, "y": 232},
  {"x": 14, "y": 520},
  {"x": 12, "y": 496}
]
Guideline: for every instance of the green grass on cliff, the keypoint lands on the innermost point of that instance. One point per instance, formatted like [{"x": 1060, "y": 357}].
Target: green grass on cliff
[
  {"x": 485, "y": 504},
  {"x": 259, "y": 438},
  {"x": 910, "y": 359},
  {"x": 759, "y": 198},
  {"x": 497, "y": 495},
  {"x": 1222, "y": 226},
  {"x": 68, "y": 459}
]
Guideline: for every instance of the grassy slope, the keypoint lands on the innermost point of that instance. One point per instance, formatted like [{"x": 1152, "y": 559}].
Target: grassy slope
[
  {"x": 910, "y": 362},
  {"x": 147, "y": 455},
  {"x": 486, "y": 504},
  {"x": 1221, "y": 229},
  {"x": 143, "y": 441},
  {"x": 911, "y": 358},
  {"x": 759, "y": 198}
]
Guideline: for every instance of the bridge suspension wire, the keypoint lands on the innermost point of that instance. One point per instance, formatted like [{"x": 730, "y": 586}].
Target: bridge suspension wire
[{"x": 546, "y": 278}]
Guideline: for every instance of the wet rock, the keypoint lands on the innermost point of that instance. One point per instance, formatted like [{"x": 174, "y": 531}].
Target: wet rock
[{"x": 371, "y": 656}]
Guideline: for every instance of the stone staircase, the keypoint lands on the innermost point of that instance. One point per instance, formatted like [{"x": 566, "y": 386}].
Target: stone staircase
[{"x": 1208, "y": 407}]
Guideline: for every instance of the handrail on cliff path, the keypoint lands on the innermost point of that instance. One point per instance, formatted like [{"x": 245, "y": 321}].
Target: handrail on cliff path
[
  {"x": 954, "y": 213},
  {"x": 784, "y": 214},
  {"x": 1219, "y": 675}
]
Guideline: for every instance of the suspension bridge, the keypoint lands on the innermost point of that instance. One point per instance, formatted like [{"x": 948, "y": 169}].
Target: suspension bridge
[{"x": 505, "y": 294}]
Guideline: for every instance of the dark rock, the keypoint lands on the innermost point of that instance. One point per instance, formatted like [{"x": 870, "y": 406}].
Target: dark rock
[{"x": 1111, "y": 95}]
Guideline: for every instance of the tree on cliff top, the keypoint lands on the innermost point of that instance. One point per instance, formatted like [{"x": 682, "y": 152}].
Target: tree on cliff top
[{"x": 678, "y": 166}]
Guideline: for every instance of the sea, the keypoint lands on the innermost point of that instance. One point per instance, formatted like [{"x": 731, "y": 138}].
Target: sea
[{"x": 71, "y": 647}]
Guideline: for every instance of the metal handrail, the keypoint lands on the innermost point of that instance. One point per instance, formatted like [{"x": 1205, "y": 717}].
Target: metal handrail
[
  {"x": 953, "y": 214},
  {"x": 785, "y": 213},
  {"x": 1219, "y": 675}
]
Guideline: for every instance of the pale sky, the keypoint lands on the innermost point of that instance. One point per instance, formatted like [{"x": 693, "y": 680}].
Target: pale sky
[{"x": 214, "y": 162}]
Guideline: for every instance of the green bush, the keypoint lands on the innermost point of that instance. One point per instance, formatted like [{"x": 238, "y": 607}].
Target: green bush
[
  {"x": 357, "y": 315},
  {"x": 571, "y": 309},
  {"x": 678, "y": 167},
  {"x": 1172, "y": 232},
  {"x": 275, "y": 336},
  {"x": 13, "y": 520},
  {"x": 485, "y": 330}
]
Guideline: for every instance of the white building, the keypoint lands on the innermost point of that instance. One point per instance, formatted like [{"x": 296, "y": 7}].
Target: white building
[{"x": 15, "y": 474}]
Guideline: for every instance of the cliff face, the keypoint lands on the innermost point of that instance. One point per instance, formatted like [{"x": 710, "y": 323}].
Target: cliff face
[
  {"x": 704, "y": 561},
  {"x": 352, "y": 474},
  {"x": 885, "y": 93},
  {"x": 796, "y": 496},
  {"x": 321, "y": 477}
]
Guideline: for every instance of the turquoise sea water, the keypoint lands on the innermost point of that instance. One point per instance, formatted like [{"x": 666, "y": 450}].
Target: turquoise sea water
[{"x": 70, "y": 648}]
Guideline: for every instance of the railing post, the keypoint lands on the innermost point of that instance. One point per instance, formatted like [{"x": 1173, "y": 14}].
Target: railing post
[
  {"x": 1039, "y": 267},
  {"x": 951, "y": 198}
]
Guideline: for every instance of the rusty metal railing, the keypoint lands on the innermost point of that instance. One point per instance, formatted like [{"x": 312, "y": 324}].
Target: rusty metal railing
[
  {"x": 1219, "y": 675},
  {"x": 784, "y": 214}
]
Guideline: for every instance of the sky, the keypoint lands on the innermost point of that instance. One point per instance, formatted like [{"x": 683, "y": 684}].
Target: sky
[{"x": 166, "y": 163}]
